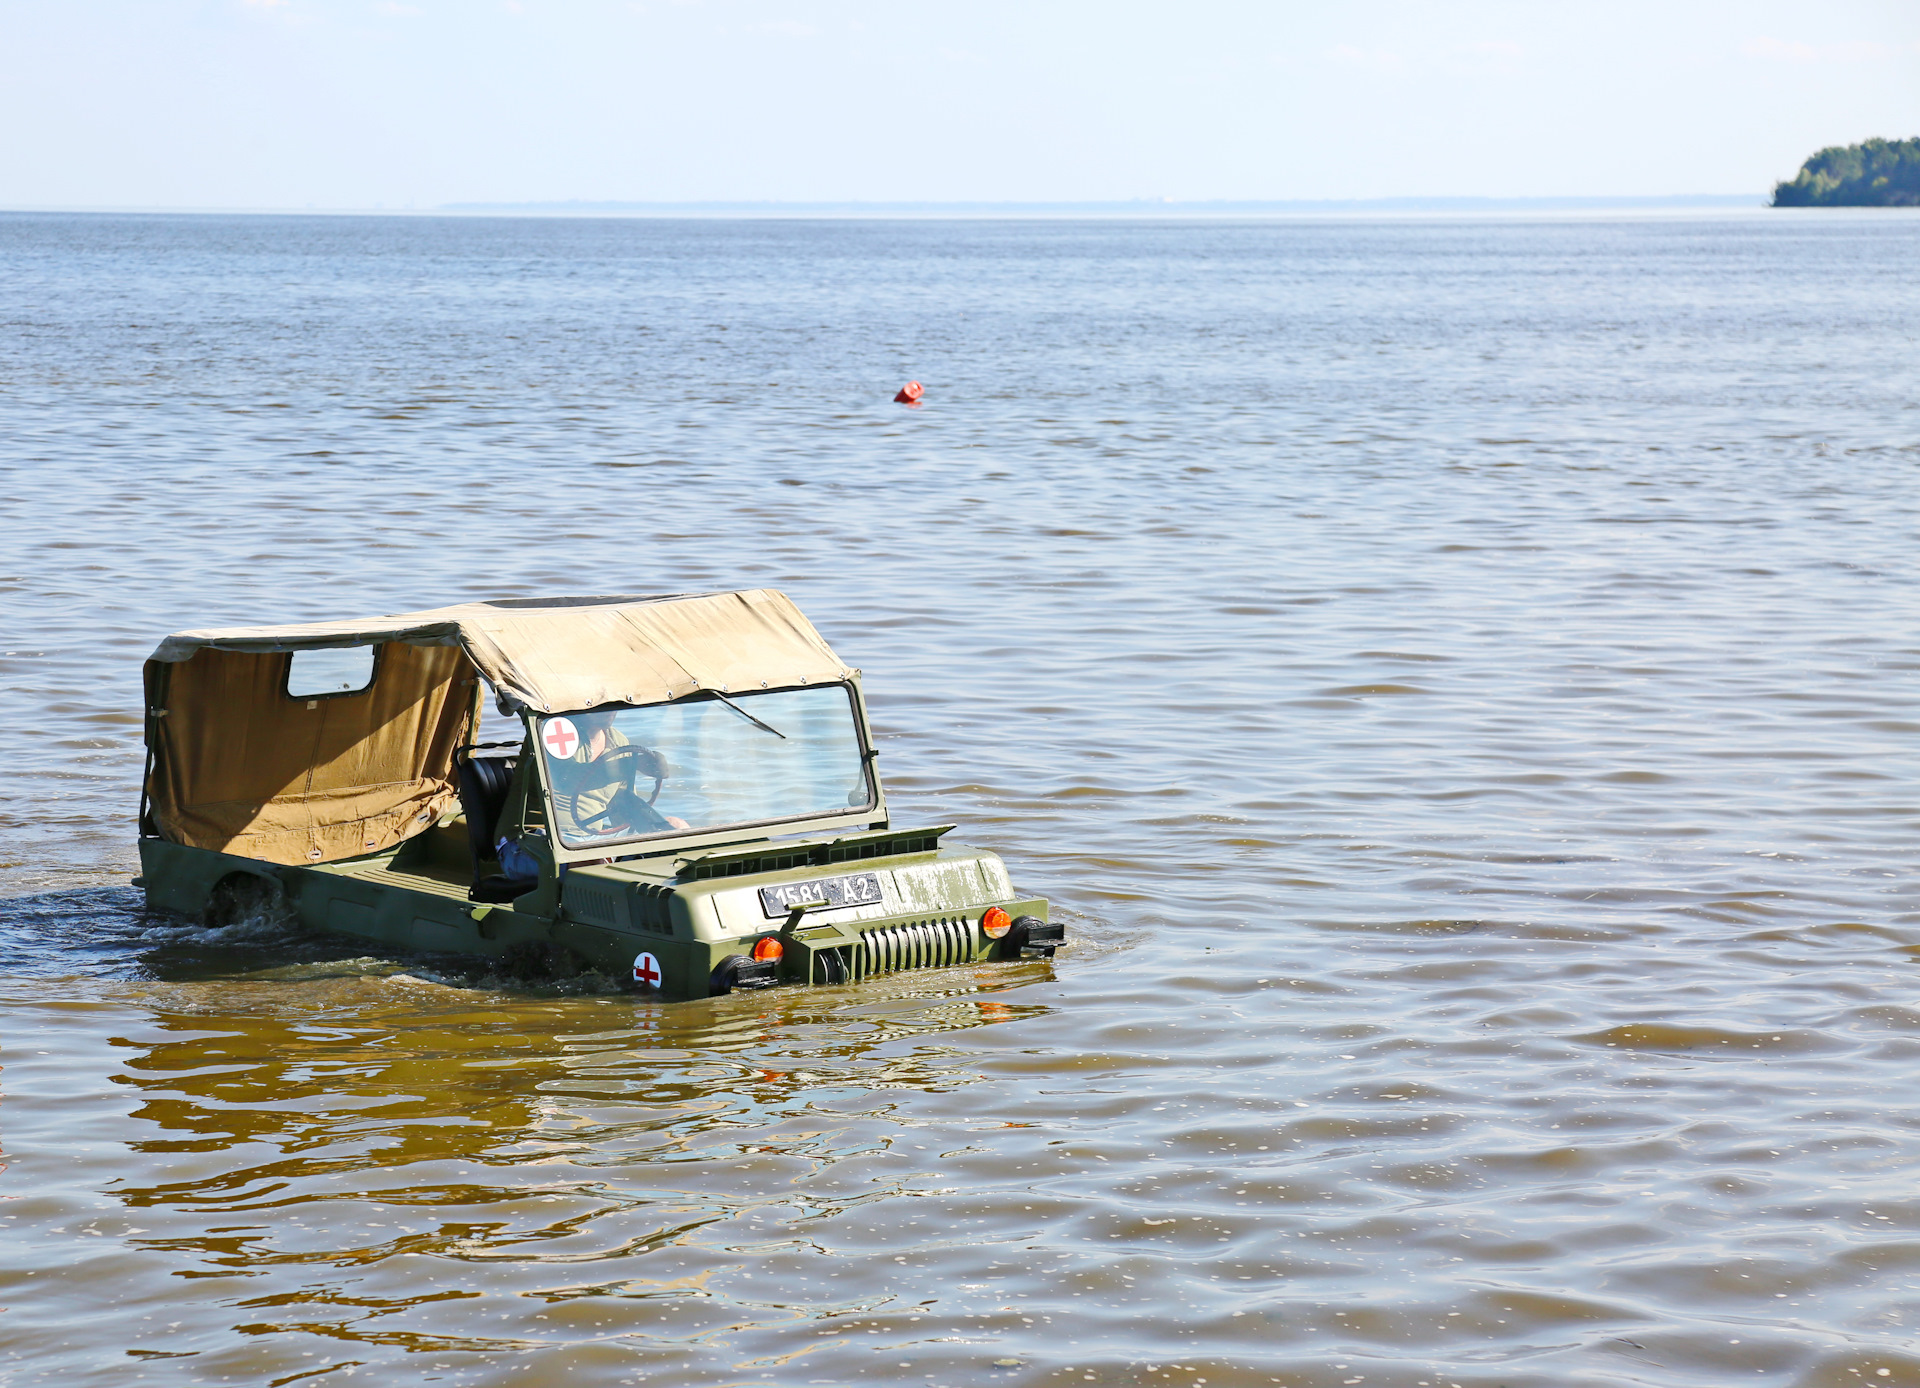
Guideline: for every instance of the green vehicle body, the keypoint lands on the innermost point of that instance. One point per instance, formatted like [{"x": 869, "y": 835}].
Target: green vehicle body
[
  {"x": 690, "y": 914},
  {"x": 676, "y": 916}
]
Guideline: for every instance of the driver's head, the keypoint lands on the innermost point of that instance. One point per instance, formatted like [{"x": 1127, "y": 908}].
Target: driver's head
[{"x": 595, "y": 730}]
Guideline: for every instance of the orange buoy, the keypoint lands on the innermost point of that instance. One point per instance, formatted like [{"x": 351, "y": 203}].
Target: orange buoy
[{"x": 910, "y": 394}]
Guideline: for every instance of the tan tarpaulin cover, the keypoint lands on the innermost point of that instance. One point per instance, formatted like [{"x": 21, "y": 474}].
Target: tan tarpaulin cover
[
  {"x": 558, "y": 654},
  {"x": 240, "y": 767}
]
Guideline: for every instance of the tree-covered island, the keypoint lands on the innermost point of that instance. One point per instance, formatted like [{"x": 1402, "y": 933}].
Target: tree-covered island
[{"x": 1875, "y": 173}]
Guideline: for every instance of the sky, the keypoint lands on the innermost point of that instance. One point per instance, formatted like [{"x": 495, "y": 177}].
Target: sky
[{"x": 420, "y": 103}]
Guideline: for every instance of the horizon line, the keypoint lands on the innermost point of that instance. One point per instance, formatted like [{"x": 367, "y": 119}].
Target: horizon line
[
  {"x": 1128, "y": 206},
  {"x": 853, "y": 208}
]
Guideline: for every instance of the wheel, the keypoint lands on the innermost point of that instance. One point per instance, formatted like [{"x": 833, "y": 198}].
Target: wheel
[
  {"x": 244, "y": 899},
  {"x": 538, "y": 961}
]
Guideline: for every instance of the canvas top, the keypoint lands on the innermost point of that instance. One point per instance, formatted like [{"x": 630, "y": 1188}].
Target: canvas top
[{"x": 555, "y": 654}]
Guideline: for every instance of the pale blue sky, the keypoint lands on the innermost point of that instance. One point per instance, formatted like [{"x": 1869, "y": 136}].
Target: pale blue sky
[{"x": 352, "y": 103}]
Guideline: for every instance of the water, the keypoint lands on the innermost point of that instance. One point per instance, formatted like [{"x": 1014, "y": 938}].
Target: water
[{"x": 1455, "y": 678}]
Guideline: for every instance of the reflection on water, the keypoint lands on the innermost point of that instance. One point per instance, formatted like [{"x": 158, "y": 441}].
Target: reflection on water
[
  {"x": 1455, "y": 678},
  {"x": 391, "y": 1157}
]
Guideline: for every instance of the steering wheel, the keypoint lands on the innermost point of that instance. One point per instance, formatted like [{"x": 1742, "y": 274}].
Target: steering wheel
[
  {"x": 627, "y": 808},
  {"x": 634, "y": 762}
]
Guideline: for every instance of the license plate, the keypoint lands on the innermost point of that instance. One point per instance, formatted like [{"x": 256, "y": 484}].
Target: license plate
[{"x": 857, "y": 889}]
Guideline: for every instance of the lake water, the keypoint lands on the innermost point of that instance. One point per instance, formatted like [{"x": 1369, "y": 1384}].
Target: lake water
[{"x": 1456, "y": 679}]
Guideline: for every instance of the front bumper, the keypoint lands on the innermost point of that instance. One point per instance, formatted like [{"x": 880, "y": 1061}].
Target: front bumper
[{"x": 834, "y": 954}]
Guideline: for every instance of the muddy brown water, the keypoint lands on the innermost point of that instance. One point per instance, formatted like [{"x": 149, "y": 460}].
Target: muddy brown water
[{"x": 1456, "y": 679}]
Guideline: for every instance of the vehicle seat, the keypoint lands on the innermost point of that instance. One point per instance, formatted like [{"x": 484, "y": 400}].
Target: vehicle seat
[{"x": 483, "y": 784}]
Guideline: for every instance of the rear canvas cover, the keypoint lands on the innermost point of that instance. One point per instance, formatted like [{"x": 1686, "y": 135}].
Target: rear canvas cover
[{"x": 241, "y": 768}]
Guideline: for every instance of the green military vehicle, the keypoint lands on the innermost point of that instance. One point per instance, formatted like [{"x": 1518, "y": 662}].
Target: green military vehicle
[{"x": 689, "y": 799}]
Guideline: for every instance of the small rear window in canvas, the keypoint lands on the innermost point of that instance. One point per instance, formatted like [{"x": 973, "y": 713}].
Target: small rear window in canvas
[{"x": 318, "y": 674}]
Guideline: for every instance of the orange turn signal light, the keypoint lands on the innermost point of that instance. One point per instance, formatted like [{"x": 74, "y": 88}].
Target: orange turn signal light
[
  {"x": 769, "y": 948},
  {"x": 996, "y": 923}
]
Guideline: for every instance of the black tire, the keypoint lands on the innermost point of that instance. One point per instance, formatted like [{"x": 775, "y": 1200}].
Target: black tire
[
  {"x": 538, "y": 961},
  {"x": 721, "y": 983},
  {"x": 244, "y": 897}
]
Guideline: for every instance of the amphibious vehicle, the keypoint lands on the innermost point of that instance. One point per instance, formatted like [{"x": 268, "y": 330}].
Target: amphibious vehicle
[{"x": 688, "y": 798}]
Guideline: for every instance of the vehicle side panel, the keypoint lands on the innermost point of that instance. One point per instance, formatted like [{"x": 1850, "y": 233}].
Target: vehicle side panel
[{"x": 609, "y": 914}]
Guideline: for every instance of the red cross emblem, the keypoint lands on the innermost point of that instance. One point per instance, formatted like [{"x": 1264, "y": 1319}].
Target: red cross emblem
[
  {"x": 561, "y": 738},
  {"x": 646, "y": 971}
]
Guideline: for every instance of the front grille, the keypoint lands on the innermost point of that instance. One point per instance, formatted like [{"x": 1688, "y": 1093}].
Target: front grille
[
  {"x": 928, "y": 944},
  {"x": 601, "y": 908},
  {"x": 852, "y": 849}
]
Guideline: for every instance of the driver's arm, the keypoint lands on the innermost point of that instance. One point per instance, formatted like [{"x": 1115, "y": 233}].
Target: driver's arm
[
  {"x": 590, "y": 805},
  {"x": 612, "y": 797}
]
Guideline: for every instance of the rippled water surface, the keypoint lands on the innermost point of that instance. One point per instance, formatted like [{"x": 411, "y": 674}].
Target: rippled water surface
[{"x": 1457, "y": 680}]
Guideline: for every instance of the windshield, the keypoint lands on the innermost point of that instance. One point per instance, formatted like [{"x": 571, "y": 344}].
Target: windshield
[{"x": 706, "y": 762}]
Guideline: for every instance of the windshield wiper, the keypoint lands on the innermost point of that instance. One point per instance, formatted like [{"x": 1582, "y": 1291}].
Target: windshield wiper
[{"x": 748, "y": 716}]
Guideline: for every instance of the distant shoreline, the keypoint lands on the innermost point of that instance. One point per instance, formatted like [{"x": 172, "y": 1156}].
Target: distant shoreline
[{"x": 1136, "y": 210}]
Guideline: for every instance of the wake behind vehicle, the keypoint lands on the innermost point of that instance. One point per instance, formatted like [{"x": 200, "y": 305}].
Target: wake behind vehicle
[{"x": 692, "y": 800}]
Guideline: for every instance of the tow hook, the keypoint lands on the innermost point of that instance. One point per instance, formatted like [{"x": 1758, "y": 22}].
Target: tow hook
[
  {"x": 1033, "y": 938},
  {"x": 738, "y": 971}
]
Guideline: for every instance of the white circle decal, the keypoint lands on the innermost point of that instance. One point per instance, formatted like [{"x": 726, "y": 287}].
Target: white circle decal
[
  {"x": 561, "y": 738},
  {"x": 646, "y": 971}
]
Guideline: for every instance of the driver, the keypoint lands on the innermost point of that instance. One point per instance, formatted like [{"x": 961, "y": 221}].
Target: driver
[{"x": 596, "y": 787}]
